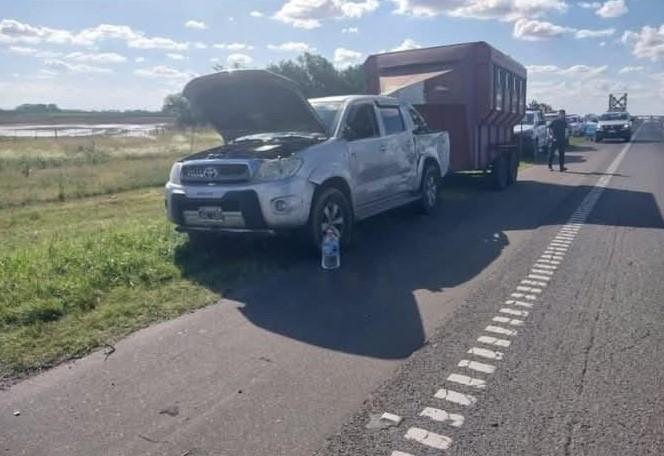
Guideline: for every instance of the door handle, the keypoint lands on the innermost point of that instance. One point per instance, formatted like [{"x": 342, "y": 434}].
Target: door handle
[{"x": 383, "y": 147}]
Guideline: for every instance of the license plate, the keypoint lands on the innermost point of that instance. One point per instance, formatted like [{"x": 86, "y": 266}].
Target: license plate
[{"x": 211, "y": 213}]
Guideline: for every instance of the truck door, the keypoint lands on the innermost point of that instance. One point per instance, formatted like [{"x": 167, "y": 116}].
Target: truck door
[
  {"x": 400, "y": 155},
  {"x": 366, "y": 153}
]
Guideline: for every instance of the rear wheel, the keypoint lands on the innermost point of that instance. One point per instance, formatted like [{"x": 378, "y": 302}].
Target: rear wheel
[
  {"x": 331, "y": 209},
  {"x": 429, "y": 189},
  {"x": 500, "y": 172}
]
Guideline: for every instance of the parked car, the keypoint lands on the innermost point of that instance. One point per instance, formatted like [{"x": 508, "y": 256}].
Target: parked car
[
  {"x": 590, "y": 127},
  {"x": 575, "y": 124},
  {"x": 532, "y": 132},
  {"x": 613, "y": 125},
  {"x": 290, "y": 164}
]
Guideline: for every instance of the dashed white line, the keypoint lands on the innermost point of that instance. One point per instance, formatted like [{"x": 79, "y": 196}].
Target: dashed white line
[
  {"x": 509, "y": 321},
  {"x": 513, "y": 302},
  {"x": 453, "y": 419},
  {"x": 455, "y": 397},
  {"x": 499, "y": 330},
  {"x": 479, "y": 367},
  {"x": 490, "y": 340},
  {"x": 517, "y": 313},
  {"x": 484, "y": 353},
  {"x": 466, "y": 381},
  {"x": 400, "y": 453},
  {"x": 430, "y": 439},
  {"x": 534, "y": 282},
  {"x": 538, "y": 277}
]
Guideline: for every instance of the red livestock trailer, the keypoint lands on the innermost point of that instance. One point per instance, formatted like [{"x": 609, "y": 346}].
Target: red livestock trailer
[{"x": 471, "y": 90}]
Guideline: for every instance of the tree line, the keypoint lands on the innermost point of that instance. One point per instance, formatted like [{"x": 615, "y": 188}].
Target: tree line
[{"x": 315, "y": 75}]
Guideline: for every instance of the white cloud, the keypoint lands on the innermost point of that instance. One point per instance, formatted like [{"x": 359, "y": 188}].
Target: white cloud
[
  {"x": 534, "y": 30},
  {"x": 508, "y": 10},
  {"x": 612, "y": 8},
  {"x": 534, "y": 69},
  {"x": 28, "y": 51},
  {"x": 139, "y": 59},
  {"x": 174, "y": 56},
  {"x": 164, "y": 72},
  {"x": 583, "y": 71},
  {"x": 308, "y": 14},
  {"x": 215, "y": 60},
  {"x": 233, "y": 46},
  {"x": 602, "y": 44},
  {"x": 575, "y": 71},
  {"x": 584, "y": 33},
  {"x": 345, "y": 57},
  {"x": 350, "y": 30},
  {"x": 104, "y": 57},
  {"x": 407, "y": 44},
  {"x": 59, "y": 65},
  {"x": 198, "y": 25},
  {"x": 647, "y": 43},
  {"x": 291, "y": 46},
  {"x": 12, "y": 31},
  {"x": 239, "y": 60},
  {"x": 256, "y": 14},
  {"x": 590, "y": 5},
  {"x": 199, "y": 45},
  {"x": 631, "y": 69},
  {"x": 231, "y": 19}
]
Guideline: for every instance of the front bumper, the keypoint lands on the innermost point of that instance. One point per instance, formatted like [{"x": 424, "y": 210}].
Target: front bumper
[
  {"x": 259, "y": 207},
  {"x": 613, "y": 132}
]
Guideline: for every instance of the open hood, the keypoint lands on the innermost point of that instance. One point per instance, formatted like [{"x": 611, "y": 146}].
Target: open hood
[{"x": 245, "y": 102}]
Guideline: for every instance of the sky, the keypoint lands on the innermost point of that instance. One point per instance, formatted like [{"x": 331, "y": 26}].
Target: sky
[{"x": 129, "y": 54}]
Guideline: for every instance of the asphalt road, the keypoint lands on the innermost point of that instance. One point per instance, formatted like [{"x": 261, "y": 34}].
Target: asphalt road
[{"x": 297, "y": 364}]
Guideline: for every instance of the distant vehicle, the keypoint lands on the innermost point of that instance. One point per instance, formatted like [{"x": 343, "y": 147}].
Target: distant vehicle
[
  {"x": 294, "y": 164},
  {"x": 613, "y": 125},
  {"x": 532, "y": 132},
  {"x": 590, "y": 127},
  {"x": 575, "y": 124}
]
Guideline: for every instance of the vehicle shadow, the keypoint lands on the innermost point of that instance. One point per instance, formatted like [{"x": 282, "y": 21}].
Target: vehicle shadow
[{"x": 369, "y": 306}]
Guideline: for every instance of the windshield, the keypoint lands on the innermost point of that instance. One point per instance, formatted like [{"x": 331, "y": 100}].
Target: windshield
[
  {"x": 528, "y": 119},
  {"x": 614, "y": 116},
  {"x": 329, "y": 113}
]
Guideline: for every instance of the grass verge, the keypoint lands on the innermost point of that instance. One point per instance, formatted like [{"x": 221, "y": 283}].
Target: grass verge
[{"x": 77, "y": 275}]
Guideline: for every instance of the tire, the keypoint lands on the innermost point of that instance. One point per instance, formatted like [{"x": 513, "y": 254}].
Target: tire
[
  {"x": 514, "y": 168},
  {"x": 429, "y": 188},
  {"x": 500, "y": 172},
  {"x": 330, "y": 205},
  {"x": 598, "y": 139}
]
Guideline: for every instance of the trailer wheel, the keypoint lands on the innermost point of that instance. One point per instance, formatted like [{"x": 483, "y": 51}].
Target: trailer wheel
[
  {"x": 514, "y": 168},
  {"x": 500, "y": 172}
]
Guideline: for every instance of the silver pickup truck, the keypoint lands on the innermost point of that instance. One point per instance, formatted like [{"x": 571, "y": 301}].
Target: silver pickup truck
[{"x": 289, "y": 163}]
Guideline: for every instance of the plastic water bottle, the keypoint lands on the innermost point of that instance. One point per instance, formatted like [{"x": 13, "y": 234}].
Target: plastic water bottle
[{"x": 330, "y": 251}]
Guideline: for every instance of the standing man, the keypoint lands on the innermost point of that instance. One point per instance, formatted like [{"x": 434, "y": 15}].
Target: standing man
[{"x": 558, "y": 129}]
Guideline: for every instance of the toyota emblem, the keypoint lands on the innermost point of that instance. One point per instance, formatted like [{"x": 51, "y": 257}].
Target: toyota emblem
[{"x": 210, "y": 173}]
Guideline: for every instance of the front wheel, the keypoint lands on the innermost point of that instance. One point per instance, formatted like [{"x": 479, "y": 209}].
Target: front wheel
[
  {"x": 429, "y": 189},
  {"x": 331, "y": 209},
  {"x": 500, "y": 172}
]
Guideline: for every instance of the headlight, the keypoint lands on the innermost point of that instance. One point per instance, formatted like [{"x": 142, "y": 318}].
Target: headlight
[
  {"x": 625, "y": 127},
  {"x": 281, "y": 168},
  {"x": 174, "y": 177}
]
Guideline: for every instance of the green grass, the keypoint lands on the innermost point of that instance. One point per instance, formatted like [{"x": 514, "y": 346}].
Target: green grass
[
  {"x": 48, "y": 169},
  {"x": 77, "y": 275}
]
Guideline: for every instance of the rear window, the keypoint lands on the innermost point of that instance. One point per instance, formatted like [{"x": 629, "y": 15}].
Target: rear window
[{"x": 392, "y": 120}]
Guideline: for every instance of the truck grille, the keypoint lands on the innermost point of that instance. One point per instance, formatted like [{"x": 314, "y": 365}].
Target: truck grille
[{"x": 215, "y": 173}]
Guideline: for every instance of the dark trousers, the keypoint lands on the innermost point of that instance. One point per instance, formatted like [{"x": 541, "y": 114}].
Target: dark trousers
[{"x": 560, "y": 147}]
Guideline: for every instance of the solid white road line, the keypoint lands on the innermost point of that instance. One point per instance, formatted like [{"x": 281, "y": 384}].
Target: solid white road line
[
  {"x": 453, "y": 419},
  {"x": 455, "y": 397},
  {"x": 430, "y": 439}
]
